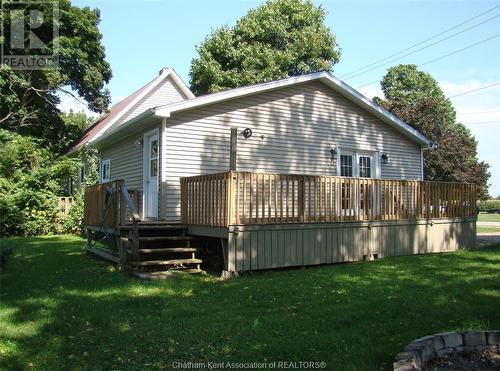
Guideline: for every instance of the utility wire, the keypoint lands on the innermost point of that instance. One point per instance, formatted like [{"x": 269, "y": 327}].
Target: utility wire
[
  {"x": 474, "y": 90},
  {"x": 423, "y": 41},
  {"x": 420, "y": 49},
  {"x": 441, "y": 57}
]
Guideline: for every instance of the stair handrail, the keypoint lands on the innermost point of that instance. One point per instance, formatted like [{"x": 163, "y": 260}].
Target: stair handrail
[{"x": 130, "y": 204}]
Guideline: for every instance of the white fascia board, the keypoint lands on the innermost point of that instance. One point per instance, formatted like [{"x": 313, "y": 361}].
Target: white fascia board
[
  {"x": 181, "y": 85},
  {"x": 96, "y": 140},
  {"x": 137, "y": 99},
  {"x": 165, "y": 111},
  {"x": 331, "y": 81}
]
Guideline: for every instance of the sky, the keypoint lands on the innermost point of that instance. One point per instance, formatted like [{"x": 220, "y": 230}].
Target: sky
[{"x": 141, "y": 37}]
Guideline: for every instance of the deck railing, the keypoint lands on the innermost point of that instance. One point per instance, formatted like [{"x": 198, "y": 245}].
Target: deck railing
[
  {"x": 224, "y": 199},
  {"x": 109, "y": 204}
]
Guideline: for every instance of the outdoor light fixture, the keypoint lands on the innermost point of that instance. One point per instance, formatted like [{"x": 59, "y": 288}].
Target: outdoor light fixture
[
  {"x": 139, "y": 142},
  {"x": 247, "y": 133},
  {"x": 333, "y": 153},
  {"x": 385, "y": 158},
  {"x": 333, "y": 156}
]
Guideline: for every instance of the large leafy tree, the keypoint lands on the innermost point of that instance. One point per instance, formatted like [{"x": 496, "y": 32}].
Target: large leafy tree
[
  {"x": 416, "y": 98},
  {"x": 278, "y": 39},
  {"x": 29, "y": 98}
]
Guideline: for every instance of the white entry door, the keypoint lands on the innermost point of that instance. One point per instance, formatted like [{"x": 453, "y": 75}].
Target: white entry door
[{"x": 151, "y": 164}]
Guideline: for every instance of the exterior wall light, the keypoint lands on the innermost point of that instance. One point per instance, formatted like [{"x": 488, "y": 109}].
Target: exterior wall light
[
  {"x": 333, "y": 153},
  {"x": 139, "y": 142},
  {"x": 333, "y": 156},
  {"x": 385, "y": 158}
]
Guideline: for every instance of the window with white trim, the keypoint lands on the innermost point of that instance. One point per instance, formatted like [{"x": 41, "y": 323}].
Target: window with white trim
[
  {"x": 358, "y": 163},
  {"x": 105, "y": 171}
]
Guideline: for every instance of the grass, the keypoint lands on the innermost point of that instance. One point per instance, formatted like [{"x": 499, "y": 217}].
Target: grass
[
  {"x": 485, "y": 217},
  {"x": 61, "y": 309},
  {"x": 485, "y": 230}
]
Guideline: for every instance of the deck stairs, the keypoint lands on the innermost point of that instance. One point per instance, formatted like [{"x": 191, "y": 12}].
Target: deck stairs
[{"x": 156, "y": 250}]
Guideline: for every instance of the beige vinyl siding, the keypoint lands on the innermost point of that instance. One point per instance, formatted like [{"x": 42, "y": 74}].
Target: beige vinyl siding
[
  {"x": 126, "y": 161},
  {"x": 164, "y": 93},
  {"x": 299, "y": 124}
]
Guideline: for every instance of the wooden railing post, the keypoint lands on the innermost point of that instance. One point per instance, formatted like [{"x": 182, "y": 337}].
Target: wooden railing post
[
  {"x": 302, "y": 199},
  {"x": 230, "y": 198}
]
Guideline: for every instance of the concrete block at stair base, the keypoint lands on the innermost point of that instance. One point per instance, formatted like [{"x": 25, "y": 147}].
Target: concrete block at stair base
[
  {"x": 493, "y": 337},
  {"x": 474, "y": 338},
  {"x": 451, "y": 339},
  {"x": 225, "y": 275}
]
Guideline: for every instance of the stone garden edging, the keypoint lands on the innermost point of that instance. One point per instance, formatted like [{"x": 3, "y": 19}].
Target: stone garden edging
[{"x": 420, "y": 351}]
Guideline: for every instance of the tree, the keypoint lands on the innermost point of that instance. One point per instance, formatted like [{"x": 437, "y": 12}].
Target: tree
[
  {"x": 30, "y": 180},
  {"x": 278, "y": 39},
  {"x": 29, "y": 98},
  {"x": 416, "y": 98}
]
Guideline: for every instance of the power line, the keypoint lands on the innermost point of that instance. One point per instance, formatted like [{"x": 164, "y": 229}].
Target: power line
[
  {"x": 474, "y": 90},
  {"x": 443, "y": 56},
  {"x": 459, "y": 50},
  {"x": 418, "y": 50},
  {"x": 423, "y": 41}
]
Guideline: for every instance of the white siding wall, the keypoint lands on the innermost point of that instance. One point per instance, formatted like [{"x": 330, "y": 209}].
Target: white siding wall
[
  {"x": 126, "y": 161},
  {"x": 300, "y": 124},
  {"x": 126, "y": 156}
]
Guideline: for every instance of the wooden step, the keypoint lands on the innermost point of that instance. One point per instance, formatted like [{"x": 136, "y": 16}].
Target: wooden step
[
  {"x": 161, "y": 275},
  {"x": 167, "y": 249},
  {"x": 165, "y": 238},
  {"x": 155, "y": 226},
  {"x": 166, "y": 262}
]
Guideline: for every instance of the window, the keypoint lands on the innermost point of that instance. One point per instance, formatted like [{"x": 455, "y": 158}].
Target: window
[
  {"x": 346, "y": 165},
  {"x": 81, "y": 175},
  {"x": 365, "y": 169},
  {"x": 105, "y": 171},
  {"x": 358, "y": 163},
  {"x": 153, "y": 158}
]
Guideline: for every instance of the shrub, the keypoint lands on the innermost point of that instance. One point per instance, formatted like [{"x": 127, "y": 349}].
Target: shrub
[
  {"x": 488, "y": 205},
  {"x": 30, "y": 178},
  {"x": 73, "y": 221}
]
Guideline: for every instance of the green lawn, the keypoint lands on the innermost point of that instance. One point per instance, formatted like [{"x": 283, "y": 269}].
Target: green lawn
[
  {"x": 481, "y": 229},
  {"x": 485, "y": 217},
  {"x": 63, "y": 310}
]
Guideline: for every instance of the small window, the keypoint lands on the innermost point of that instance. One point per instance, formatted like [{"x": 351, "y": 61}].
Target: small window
[
  {"x": 105, "y": 171},
  {"x": 81, "y": 175}
]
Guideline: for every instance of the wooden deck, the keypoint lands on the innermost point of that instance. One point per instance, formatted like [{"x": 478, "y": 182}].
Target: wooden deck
[
  {"x": 266, "y": 221},
  {"x": 242, "y": 198}
]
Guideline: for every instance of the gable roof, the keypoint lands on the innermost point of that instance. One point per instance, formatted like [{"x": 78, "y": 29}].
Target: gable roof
[
  {"x": 116, "y": 112},
  {"x": 324, "y": 77}
]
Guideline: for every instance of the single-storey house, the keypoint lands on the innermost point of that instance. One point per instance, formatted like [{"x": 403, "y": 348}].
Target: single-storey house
[{"x": 299, "y": 171}]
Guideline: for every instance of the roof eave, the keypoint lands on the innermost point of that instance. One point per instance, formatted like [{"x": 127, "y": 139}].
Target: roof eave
[{"x": 97, "y": 140}]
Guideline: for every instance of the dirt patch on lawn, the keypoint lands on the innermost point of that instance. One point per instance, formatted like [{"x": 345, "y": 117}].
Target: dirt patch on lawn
[{"x": 480, "y": 361}]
